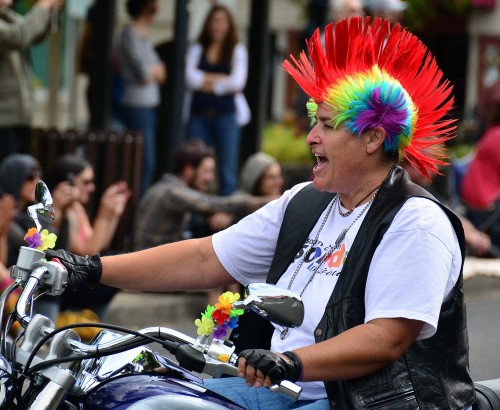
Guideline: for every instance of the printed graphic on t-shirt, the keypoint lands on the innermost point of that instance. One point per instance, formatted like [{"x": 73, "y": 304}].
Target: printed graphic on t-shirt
[{"x": 330, "y": 260}]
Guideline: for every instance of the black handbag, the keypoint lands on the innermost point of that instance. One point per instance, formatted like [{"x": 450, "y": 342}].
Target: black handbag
[{"x": 487, "y": 394}]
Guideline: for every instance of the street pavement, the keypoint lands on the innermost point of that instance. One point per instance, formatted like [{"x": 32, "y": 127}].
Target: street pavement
[
  {"x": 482, "y": 294},
  {"x": 179, "y": 310}
]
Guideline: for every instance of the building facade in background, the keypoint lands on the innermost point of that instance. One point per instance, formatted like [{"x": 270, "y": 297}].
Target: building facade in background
[{"x": 468, "y": 49}]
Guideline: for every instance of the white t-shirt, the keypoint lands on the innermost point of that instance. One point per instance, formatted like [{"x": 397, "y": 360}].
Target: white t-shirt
[{"x": 414, "y": 268}]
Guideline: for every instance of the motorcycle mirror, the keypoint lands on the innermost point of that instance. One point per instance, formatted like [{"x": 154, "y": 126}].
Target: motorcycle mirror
[
  {"x": 280, "y": 306},
  {"x": 43, "y": 206}
]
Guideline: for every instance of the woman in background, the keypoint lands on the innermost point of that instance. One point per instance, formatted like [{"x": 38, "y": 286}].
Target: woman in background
[
  {"x": 216, "y": 73},
  {"x": 142, "y": 72},
  {"x": 82, "y": 235},
  {"x": 86, "y": 236},
  {"x": 261, "y": 175},
  {"x": 19, "y": 174}
]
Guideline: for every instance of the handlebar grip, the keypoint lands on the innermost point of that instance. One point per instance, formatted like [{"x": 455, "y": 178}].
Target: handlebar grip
[{"x": 57, "y": 277}]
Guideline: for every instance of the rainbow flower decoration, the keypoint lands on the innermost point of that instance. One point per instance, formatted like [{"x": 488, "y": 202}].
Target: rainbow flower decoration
[
  {"x": 219, "y": 319},
  {"x": 40, "y": 240}
]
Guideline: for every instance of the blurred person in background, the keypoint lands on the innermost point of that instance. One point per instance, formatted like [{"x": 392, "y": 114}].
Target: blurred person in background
[
  {"x": 392, "y": 10},
  {"x": 143, "y": 72},
  {"x": 164, "y": 213},
  {"x": 480, "y": 186},
  {"x": 19, "y": 174},
  {"x": 75, "y": 176},
  {"x": 260, "y": 176},
  {"x": 341, "y": 9},
  {"x": 215, "y": 108},
  {"x": 479, "y": 243},
  {"x": 7, "y": 213},
  {"x": 86, "y": 236},
  {"x": 17, "y": 34},
  {"x": 180, "y": 205}
]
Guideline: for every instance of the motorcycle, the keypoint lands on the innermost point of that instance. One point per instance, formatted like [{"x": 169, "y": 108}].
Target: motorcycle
[{"x": 46, "y": 368}]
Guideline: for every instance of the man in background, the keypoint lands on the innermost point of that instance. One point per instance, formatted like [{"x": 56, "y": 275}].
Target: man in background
[{"x": 166, "y": 209}]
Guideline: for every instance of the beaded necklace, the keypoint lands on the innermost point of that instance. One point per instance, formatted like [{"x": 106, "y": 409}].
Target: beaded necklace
[
  {"x": 338, "y": 241},
  {"x": 349, "y": 211}
]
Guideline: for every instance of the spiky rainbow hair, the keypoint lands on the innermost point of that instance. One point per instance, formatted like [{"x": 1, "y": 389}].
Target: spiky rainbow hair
[{"x": 372, "y": 76}]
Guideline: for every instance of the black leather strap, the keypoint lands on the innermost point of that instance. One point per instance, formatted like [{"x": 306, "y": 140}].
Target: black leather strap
[{"x": 301, "y": 214}]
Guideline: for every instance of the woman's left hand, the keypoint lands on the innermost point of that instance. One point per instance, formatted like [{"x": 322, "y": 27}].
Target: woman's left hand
[{"x": 262, "y": 367}]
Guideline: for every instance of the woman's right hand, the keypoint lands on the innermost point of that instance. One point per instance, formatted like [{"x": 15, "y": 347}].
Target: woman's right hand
[
  {"x": 158, "y": 73},
  {"x": 64, "y": 195}
]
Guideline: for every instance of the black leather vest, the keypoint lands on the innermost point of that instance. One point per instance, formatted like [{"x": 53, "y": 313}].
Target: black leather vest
[{"x": 433, "y": 373}]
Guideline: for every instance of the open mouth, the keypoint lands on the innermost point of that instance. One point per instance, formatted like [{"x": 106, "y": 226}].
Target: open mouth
[{"x": 320, "y": 160}]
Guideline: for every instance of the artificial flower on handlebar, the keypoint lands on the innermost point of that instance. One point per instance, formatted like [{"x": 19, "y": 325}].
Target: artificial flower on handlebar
[
  {"x": 40, "y": 240},
  {"x": 219, "y": 319}
]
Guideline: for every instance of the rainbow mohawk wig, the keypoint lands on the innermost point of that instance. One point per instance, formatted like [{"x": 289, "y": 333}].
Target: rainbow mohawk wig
[{"x": 372, "y": 76}]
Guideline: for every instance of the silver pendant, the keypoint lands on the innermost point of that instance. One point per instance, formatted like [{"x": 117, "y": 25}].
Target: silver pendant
[
  {"x": 340, "y": 238},
  {"x": 284, "y": 333}
]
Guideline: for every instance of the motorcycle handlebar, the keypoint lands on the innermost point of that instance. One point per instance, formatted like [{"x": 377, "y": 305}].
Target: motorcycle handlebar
[
  {"x": 131, "y": 340},
  {"x": 212, "y": 366},
  {"x": 53, "y": 276}
]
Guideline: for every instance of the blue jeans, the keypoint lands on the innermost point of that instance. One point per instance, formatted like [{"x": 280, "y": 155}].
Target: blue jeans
[
  {"x": 223, "y": 133},
  {"x": 143, "y": 120},
  {"x": 235, "y": 389}
]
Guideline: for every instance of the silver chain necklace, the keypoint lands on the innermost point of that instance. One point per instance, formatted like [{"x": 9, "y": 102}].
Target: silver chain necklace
[{"x": 338, "y": 241}]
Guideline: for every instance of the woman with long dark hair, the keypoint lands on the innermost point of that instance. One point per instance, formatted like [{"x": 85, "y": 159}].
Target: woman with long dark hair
[{"x": 216, "y": 73}]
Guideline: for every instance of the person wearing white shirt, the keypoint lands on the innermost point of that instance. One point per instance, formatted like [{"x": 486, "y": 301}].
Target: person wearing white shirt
[{"x": 215, "y": 108}]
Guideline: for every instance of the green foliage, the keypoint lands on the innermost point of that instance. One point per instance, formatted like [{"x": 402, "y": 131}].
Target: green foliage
[
  {"x": 281, "y": 142},
  {"x": 420, "y": 12},
  {"x": 460, "y": 150}
]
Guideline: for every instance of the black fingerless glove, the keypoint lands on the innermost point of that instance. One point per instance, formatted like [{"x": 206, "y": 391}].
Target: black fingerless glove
[
  {"x": 82, "y": 270},
  {"x": 284, "y": 366}
]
